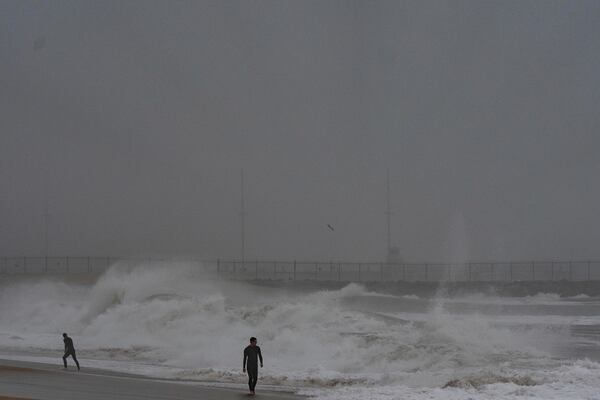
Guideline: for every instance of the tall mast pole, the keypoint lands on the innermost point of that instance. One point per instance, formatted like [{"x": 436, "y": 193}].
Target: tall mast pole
[
  {"x": 46, "y": 215},
  {"x": 388, "y": 213},
  {"x": 243, "y": 218}
]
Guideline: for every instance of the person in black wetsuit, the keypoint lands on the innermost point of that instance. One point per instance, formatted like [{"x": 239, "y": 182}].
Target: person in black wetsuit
[
  {"x": 252, "y": 355},
  {"x": 69, "y": 350}
]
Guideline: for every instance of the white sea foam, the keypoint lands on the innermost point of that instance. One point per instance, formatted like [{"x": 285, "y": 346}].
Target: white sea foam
[
  {"x": 172, "y": 322},
  {"x": 537, "y": 299},
  {"x": 411, "y": 297}
]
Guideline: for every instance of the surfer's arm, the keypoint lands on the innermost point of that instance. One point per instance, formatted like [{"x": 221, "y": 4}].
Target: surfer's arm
[
  {"x": 244, "y": 362},
  {"x": 260, "y": 357}
]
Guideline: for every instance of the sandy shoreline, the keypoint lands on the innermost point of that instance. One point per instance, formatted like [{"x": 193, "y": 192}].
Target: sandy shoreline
[{"x": 28, "y": 380}]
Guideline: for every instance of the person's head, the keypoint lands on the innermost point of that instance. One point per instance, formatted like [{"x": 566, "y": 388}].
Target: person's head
[
  {"x": 64, "y": 335},
  {"x": 252, "y": 341}
]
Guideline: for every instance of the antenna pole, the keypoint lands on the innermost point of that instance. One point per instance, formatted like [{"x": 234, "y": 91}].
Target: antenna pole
[
  {"x": 46, "y": 232},
  {"x": 388, "y": 213},
  {"x": 243, "y": 219},
  {"x": 46, "y": 216}
]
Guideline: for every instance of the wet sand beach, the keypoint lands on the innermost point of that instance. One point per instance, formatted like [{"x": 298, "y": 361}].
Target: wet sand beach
[{"x": 26, "y": 380}]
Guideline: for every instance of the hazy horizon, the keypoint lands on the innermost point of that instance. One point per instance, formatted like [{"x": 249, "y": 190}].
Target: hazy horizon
[{"x": 129, "y": 122}]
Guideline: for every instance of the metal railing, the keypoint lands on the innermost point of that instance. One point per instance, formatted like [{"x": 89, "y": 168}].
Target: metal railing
[
  {"x": 38, "y": 265},
  {"x": 504, "y": 271},
  {"x": 411, "y": 272}
]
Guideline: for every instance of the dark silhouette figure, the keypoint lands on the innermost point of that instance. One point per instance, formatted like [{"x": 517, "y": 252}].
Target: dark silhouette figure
[
  {"x": 69, "y": 350},
  {"x": 252, "y": 355}
]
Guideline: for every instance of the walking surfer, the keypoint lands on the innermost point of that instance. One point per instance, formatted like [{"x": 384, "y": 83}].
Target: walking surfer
[
  {"x": 252, "y": 354},
  {"x": 69, "y": 350}
]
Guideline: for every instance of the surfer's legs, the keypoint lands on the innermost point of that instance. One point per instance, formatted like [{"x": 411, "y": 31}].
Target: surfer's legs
[
  {"x": 252, "y": 378},
  {"x": 72, "y": 354},
  {"x": 75, "y": 359}
]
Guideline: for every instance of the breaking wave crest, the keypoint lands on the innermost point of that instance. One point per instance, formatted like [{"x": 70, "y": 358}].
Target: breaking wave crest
[{"x": 476, "y": 381}]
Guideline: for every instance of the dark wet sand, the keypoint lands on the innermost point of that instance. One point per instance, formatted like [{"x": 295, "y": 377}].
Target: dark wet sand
[
  {"x": 21, "y": 380},
  {"x": 13, "y": 398}
]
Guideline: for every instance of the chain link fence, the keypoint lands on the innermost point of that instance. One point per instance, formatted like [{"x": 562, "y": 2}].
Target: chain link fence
[{"x": 323, "y": 271}]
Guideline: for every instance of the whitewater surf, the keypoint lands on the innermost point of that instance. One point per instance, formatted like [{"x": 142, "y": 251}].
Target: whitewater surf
[{"x": 349, "y": 343}]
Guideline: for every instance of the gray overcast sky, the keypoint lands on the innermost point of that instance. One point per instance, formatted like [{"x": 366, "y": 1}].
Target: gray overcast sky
[{"x": 132, "y": 120}]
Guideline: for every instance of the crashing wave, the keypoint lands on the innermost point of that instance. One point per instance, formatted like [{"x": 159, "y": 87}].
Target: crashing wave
[{"x": 477, "y": 381}]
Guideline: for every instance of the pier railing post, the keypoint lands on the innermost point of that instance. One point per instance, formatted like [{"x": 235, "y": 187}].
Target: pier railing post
[
  {"x": 470, "y": 276},
  {"x": 570, "y": 270},
  {"x": 331, "y": 270},
  {"x": 588, "y": 270}
]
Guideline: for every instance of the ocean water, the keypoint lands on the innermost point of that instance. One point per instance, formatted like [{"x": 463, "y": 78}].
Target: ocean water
[{"x": 348, "y": 343}]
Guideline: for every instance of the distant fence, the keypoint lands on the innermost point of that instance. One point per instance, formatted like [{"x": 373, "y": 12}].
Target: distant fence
[
  {"x": 38, "y": 265},
  {"x": 507, "y": 271},
  {"x": 411, "y": 272}
]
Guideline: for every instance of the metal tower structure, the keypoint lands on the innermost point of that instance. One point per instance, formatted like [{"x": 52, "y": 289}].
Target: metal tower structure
[
  {"x": 388, "y": 214},
  {"x": 242, "y": 218}
]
